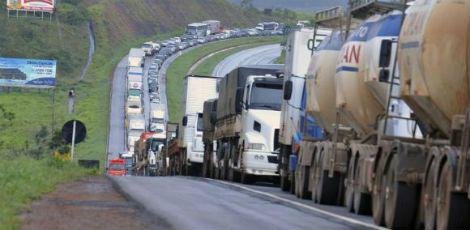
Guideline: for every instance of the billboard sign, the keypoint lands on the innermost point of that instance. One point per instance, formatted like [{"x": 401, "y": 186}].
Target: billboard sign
[
  {"x": 15, "y": 72},
  {"x": 32, "y": 5}
]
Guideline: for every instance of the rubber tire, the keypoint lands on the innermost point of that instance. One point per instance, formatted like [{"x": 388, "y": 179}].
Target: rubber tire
[
  {"x": 429, "y": 194},
  {"x": 303, "y": 192},
  {"x": 328, "y": 189},
  {"x": 452, "y": 208},
  {"x": 378, "y": 195},
  {"x": 246, "y": 178},
  {"x": 292, "y": 184},
  {"x": 362, "y": 201},
  {"x": 401, "y": 201},
  {"x": 284, "y": 183},
  {"x": 349, "y": 193}
]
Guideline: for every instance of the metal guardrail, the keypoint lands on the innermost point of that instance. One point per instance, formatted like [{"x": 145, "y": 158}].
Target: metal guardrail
[{"x": 329, "y": 14}]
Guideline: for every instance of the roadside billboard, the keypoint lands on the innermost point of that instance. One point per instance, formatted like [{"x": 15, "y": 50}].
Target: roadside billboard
[
  {"x": 32, "y": 73},
  {"x": 32, "y": 5}
]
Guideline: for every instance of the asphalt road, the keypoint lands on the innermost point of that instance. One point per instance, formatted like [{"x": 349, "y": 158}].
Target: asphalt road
[
  {"x": 192, "y": 203},
  {"x": 255, "y": 56}
]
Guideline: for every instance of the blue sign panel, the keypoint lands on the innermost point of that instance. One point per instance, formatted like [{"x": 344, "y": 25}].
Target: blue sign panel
[{"x": 15, "y": 72}]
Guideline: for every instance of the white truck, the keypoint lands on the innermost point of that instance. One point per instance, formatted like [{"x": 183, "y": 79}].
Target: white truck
[
  {"x": 135, "y": 127},
  {"x": 135, "y": 78},
  {"x": 197, "y": 89},
  {"x": 150, "y": 48},
  {"x": 157, "y": 122},
  {"x": 298, "y": 56},
  {"x": 213, "y": 26},
  {"x": 136, "y": 58},
  {"x": 247, "y": 126},
  {"x": 134, "y": 106}
]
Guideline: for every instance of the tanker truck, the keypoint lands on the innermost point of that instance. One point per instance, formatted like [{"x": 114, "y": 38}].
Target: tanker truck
[
  {"x": 298, "y": 55},
  {"x": 434, "y": 61},
  {"x": 247, "y": 126},
  {"x": 361, "y": 119}
]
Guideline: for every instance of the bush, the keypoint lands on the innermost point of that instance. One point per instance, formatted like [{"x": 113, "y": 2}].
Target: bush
[{"x": 72, "y": 14}]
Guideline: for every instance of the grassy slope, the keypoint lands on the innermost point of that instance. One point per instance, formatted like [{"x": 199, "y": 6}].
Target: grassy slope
[
  {"x": 178, "y": 69},
  {"x": 118, "y": 26},
  {"x": 207, "y": 67}
]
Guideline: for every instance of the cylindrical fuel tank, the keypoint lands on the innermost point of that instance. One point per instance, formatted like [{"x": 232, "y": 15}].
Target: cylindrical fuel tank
[
  {"x": 320, "y": 82},
  {"x": 434, "y": 60},
  {"x": 361, "y": 91}
]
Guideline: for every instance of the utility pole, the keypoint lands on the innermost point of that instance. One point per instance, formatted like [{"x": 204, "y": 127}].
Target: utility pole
[{"x": 71, "y": 105}]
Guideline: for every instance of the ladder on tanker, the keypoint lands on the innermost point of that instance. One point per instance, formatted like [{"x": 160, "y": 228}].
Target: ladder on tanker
[
  {"x": 395, "y": 106},
  {"x": 362, "y": 9}
]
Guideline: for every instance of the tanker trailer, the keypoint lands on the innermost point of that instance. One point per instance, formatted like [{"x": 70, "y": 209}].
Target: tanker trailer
[
  {"x": 434, "y": 63},
  {"x": 381, "y": 168},
  {"x": 312, "y": 174}
]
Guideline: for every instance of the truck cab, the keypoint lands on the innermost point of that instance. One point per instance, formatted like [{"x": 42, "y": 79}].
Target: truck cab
[
  {"x": 260, "y": 118},
  {"x": 135, "y": 127},
  {"x": 116, "y": 167}
]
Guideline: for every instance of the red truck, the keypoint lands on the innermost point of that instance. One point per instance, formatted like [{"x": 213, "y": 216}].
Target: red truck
[{"x": 117, "y": 167}]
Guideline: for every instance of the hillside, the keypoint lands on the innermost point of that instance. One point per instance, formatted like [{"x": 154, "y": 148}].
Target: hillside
[
  {"x": 118, "y": 25},
  {"x": 298, "y": 5}
]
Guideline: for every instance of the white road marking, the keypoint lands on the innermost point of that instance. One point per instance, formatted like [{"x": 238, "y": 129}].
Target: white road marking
[{"x": 330, "y": 214}]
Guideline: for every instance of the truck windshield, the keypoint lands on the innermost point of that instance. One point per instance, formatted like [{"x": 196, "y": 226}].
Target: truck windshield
[
  {"x": 158, "y": 120},
  {"x": 155, "y": 144},
  {"x": 147, "y": 46},
  {"x": 266, "y": 95},
  {"x": 200, "y": 122}
]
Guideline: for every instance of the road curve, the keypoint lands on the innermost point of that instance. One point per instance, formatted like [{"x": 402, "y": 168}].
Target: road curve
[{"x": 261, "y": 55}]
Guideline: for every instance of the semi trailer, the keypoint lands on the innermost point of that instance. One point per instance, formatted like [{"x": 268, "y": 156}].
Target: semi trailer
[
  {"x": 247, "y": 126},
  {"x": 188, "y": 156},
  {"x": 298, "y": 55}
]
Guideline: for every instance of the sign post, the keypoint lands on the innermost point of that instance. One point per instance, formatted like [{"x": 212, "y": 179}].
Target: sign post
[{"x": 73, "y": 139}]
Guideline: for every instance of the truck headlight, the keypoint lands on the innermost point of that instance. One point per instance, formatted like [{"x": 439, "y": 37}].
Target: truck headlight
[{"x": 254, "y": 146}]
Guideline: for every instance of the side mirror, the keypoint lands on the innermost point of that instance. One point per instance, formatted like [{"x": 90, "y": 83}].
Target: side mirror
[
  {"x": 185, "y": 121},
  {"x": 287, "y": 90},
  {"x": 383, "y": 75},
  {"x": 239, "y": 100},
  {"x": 385, "y": 53},
  {"x": 213, "y": 118}
]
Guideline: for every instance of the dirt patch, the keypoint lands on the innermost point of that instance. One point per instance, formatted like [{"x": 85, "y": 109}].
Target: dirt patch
[{"x": 91, "y": 203}]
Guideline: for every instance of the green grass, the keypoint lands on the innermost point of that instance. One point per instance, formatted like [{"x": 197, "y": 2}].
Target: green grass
[
  {"x": 178, "y": 69},
  {"x": 281, "y": 59},
  {"x": 208, "y": 65},
  {"x": 23, "y": 179}
]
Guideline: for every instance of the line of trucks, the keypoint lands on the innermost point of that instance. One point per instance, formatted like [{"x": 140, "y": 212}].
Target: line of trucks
[
  {"x": 371, "y": 113},
  {"x": 143, "y": 156}
]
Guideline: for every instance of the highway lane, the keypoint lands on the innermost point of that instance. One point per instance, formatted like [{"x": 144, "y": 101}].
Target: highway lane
[
  {"x": 193, "y": 203},
  {"x": 266, "y": 54}
]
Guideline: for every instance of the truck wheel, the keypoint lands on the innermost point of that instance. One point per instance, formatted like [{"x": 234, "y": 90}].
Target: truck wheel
[
  {"x": 303, "y": 180},
  {"x": 362, "y": 201},
  {"x": 292, "y": 182},
  {"x": 328, "y": 188},
  {"x": 452, "y": 208},
  {"x": 378, "y": 191},
  {"x": 349, "y": 184},
  {"x": 284, "y": 183},
  {"x": 429, "y": 197},
  {"x": 246, "y": 178},
  {"x": 401, "y": 200}
]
